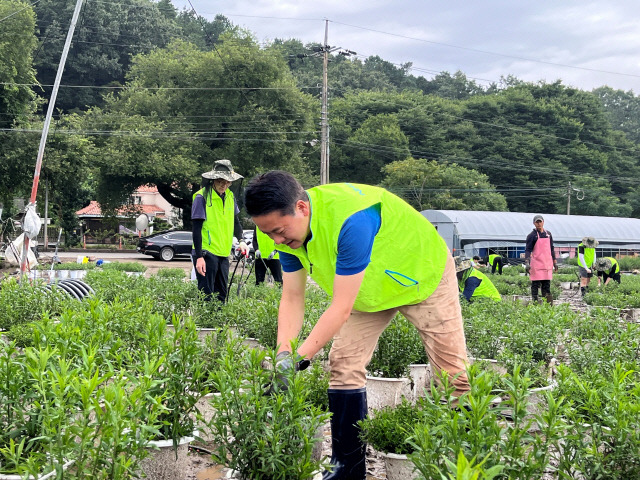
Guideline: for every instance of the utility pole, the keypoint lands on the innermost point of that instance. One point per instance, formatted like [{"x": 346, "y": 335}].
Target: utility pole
[
  {"x": 570, "y": 191},
  {"x": 324, "y": 121},
  {"x": 325, "y": 50}
]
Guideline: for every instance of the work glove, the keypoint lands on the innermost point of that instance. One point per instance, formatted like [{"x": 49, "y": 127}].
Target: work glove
[
  {"x": 244, "y": 249},
  {"x": 258, "y": 254},
  {"x": 588, "y": 270},
  {"x": 555, "y": 267},
  {"x": 271, "y": 255},
  {"x": 286, "y": 365},
  {"x": 527, "y": 268}
]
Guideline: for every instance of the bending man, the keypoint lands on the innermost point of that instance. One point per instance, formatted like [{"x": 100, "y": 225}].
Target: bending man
[
  {"x": 347, "y": 237},
  {"x": 473, "y": 283}
]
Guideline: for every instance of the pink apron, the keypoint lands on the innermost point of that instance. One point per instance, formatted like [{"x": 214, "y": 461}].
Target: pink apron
[{"x": 541, "y": 260}]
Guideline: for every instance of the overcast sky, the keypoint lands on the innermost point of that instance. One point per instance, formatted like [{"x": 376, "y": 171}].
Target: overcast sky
[{"x": 586, "y": 44}]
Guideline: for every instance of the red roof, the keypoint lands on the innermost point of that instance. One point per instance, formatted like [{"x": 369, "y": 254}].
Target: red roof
[
  {"x": 93, "y": 210},
  {"x": 147, "y": 189}
]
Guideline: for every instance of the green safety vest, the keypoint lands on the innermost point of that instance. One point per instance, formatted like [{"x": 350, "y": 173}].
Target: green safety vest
[
  {"x": 265, "y": 244},
  {"x": 407, "y": 258},
  {"x": 492, "y": 258},
  {"x": 217, "y": 229},
  {"x": 615, "y": 266},
  {"x": 589, "y": 256},
  {"x": 485, "y": 289}
]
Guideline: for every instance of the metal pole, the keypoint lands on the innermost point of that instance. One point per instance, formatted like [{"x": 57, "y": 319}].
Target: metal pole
[
  {"x": 324, "y": 158},
  {"x": 47, "y": 122},
  {"x": 569, "y": 199},
  {"x": 46, "y": 215}
]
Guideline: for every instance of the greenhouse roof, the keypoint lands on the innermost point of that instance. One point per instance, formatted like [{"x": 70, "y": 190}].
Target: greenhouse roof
[{"x": 515, "y": 226}]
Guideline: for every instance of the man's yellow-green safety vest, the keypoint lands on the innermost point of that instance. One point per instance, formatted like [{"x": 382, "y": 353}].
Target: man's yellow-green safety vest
[
  {"x": 589, "y": 256},
  {"x": 485, "y": 289},
  {"x": 265, "y": 244},
  {"x": 407, "y": 258},
  {"x": 217, "y": 229},
  {"x": 615, "y": 266},
  {"x": 492, "y": 257}
]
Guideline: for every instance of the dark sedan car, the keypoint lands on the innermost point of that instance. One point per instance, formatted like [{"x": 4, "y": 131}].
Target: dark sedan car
[{"x": 166, "y": 245}]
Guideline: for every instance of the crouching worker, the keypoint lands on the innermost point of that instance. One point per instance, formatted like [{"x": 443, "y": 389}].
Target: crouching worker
[
  {"x": 473, "y": 283},
  {"x": 608, "y": 268},
  {"x": 347, "y": 238}
]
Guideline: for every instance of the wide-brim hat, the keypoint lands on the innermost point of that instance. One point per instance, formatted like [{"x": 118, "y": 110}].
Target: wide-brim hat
[
  {"x": 590, "y": 242},
  {"x": 603, "y": 264},
  {"x": 462, "y": 264},
  {"x": 222, "y": 169}
]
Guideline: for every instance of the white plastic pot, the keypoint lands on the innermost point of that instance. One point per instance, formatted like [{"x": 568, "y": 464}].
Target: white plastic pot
[
  {"x": 421, "y": 378},
  {"x": 165, "y": 463},
  {"x": 398, "y": 466},
  {"x": 382, "y": 392},
  {"x": 52, "y": 474}
]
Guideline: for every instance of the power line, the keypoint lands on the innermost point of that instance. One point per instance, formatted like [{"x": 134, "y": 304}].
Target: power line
[
  {"x": 18, "y": 11},
  {"x": 487, "y": 52},
  {"x": 135, "y": 87}
]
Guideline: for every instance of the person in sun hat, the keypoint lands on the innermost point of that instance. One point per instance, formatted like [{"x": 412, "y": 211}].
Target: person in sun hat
[
  {"x": 586, "y": 261},
  {"x": 540, "y": 260},
  {"x": 474, "y": 284},
  {"x": 375, "y": 256},
  {"x": 608, "y": 268},
  {"x": 214, "y": 216}
]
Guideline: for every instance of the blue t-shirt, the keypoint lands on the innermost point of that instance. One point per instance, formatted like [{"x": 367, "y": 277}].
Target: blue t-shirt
[{"x": 355, "y": 243}]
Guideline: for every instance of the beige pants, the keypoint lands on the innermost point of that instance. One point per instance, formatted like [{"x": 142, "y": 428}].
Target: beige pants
[{"x": 438, "y": 319}]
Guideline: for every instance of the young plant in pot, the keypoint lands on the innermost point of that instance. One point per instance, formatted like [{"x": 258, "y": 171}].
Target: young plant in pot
[
  {"x": 262, "y": 432},
  {"x": 178, "y": 379},
  {"x": 388, "y": 431},
  {"x": 389, "y": 381}
]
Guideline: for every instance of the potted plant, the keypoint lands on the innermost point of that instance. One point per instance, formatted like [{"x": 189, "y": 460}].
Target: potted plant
[
  {"x": 388, "y": 431},
  {"x": 260, "y": 436},
  {"x": 179, "y": 382},
  {"x": 389, "y": 380}
]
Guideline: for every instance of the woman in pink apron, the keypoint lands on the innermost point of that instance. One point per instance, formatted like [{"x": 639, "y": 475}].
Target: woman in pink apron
[{"x": 540, "y": 260}]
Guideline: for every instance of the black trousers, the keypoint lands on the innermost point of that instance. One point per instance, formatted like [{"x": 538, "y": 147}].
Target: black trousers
[
  {"x": 216, "y": 277},
  {"x": 274, "y": 267},
  {"x": 615, "y": 277},
  {"x": 536, "y": 285},
  {"x": 497, "y": 264}
]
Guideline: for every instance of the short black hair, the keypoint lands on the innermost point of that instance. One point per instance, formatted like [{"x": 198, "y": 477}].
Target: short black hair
[
  {"x": 476, "y": 257},
  {"x": 274, "y": 191}
]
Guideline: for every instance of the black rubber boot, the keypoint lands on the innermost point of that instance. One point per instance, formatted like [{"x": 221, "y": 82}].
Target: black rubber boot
[
  {"x": 348, "y": 451},
  {"x": 549, "y": 298}
]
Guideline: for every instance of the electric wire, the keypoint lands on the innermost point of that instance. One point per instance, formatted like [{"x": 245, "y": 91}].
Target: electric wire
[{"x": 18, "y": 11}]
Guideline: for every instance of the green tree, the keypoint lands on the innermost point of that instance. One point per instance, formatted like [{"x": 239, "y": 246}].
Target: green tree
[
  {"x": 598, "y": 199},
  {"x": 17, "y": 44},
  {"x": 623, "y": 110},
  {"x": 377, "y": 142},
  {"x": 105, "y": 40},
  {"x": 427, "y": 184},
  {"x": 185, "y": 108}
]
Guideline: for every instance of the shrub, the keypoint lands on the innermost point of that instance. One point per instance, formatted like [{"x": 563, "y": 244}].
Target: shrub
[{"x": 263, "y": 436}]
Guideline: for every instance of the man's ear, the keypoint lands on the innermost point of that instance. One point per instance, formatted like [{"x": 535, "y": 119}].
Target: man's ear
[{"x": 303, "y": 207}]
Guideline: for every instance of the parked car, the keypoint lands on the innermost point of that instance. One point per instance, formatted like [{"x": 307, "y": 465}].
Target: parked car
[{"x": 166, "y": 245}]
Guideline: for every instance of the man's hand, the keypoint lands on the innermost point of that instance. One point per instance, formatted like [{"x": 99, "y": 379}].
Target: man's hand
[
  {"x": 201, "y": 266},
  {"x": 588, "y": 270},
  {"x": 258, "y": 254},
  {"x": 244, "y": 249},
  {"x": 555, "y": 267},
  {"x": 271, "y": 255},
  {"x": 527, "y": 268},
  {"x": 285, "y": 366}
]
